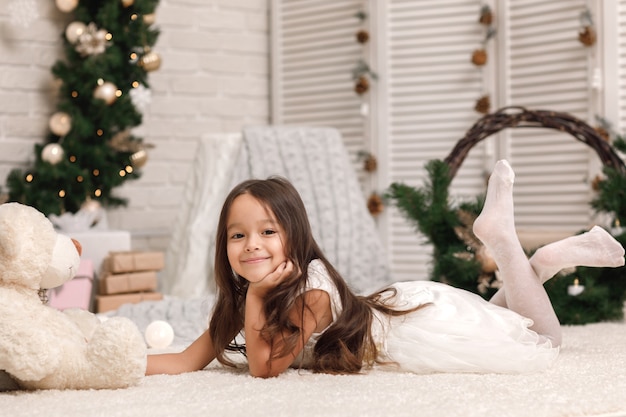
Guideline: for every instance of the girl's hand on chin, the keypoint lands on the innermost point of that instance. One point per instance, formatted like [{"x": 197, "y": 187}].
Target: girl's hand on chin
[{"x": 271, "y": 280}]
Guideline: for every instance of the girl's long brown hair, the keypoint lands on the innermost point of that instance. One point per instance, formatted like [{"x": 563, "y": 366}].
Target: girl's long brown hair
[{"x": 347, "y": 344}]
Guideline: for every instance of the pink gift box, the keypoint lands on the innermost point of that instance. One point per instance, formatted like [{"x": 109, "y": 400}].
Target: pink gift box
[{"x": 76, "y": 293}]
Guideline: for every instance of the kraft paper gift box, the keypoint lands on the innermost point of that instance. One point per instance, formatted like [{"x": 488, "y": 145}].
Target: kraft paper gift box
[
  {"x": 128, "y": 282},
  {"x": 77, "y": 292},
  {"x": 106, "y": 303},
  {"x": 132, "y": 261}
]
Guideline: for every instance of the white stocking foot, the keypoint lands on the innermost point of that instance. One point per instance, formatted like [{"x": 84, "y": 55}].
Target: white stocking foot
[
  {"x": 496, "y": 223},
  {"x": 595, "y": 248}
]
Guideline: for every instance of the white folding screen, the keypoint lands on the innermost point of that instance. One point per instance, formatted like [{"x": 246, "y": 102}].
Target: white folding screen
[
  {"x": 546, "y": 67},
  {"x": 314, "y": 51},
  {"x": 432, "y": 88},
  {"x": 424, "y": 99}
]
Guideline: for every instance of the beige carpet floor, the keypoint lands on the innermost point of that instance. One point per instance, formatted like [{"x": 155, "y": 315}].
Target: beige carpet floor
[{"x": 588, "y": 379}]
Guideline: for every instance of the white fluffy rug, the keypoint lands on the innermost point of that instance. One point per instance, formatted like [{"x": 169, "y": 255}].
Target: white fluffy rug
[{"x": 588, "y": 379}]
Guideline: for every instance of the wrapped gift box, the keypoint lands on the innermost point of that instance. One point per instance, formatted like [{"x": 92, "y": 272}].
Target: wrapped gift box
[
  {"x": 106, "y": 303},
  {"x": 98, "y": 243},
  {"x": 77, "y": 292},
  {"x": 128, "y": 282},
  {"x": 133, "y": 261}
]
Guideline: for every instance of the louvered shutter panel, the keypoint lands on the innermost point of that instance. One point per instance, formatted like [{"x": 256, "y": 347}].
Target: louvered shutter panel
[
  {"x": 548, "y": 69},
  {"x": 314, "y": 53},
  {"x": 432, "y": 90},
  {"x": 616, "y": 61}
]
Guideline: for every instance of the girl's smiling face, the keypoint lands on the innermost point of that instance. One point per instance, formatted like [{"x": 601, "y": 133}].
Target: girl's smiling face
[{"x": 255, "y": 245}]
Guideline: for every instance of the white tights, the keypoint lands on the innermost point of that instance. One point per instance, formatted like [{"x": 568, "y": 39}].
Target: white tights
[{"x": 523, "y": 278}]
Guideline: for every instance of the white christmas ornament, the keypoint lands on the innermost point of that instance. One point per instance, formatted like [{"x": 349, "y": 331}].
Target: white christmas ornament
[
  {"x": 141, "y": 98},
  {"x": 23, "y": 12},
  {"x": 52, "y": 153},
  {"x": 74, "y": 30},
  {"x": 106, "y": 91},
  {"x": 66, "y": 5},
  {"x": 159, "y": 334},
  {"x": 60, "y": 123}
]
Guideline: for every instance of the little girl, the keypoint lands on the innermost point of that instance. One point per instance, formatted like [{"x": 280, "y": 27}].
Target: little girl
[{"x": 275, "y": 286}]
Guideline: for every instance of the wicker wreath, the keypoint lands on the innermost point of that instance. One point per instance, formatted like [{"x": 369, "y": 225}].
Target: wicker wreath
[
  {"x": 458, "y": 258},
  {"x": 516, "y": 116}
]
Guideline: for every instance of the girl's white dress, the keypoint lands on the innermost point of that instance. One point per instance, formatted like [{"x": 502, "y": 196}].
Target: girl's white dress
[{"x": 455, "y": 331}]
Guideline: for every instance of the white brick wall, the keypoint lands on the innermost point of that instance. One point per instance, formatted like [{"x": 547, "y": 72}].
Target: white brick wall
[{"x": 214, "y": 77}]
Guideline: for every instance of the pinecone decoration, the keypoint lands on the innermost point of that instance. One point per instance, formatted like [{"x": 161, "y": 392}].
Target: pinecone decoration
[
  {"x": 362, "y": 85},
  {"x": 483, "y": 104},
  {"x": 587, "y": 36},
  {"x": 603, "y": 133},
  {"x": 362, "y": 36},
  {"x": 486, "y": 16},
  {"x": 595, "y": 184},
  {"x": 479, "y": 57},
  {"x": 375, "y": 204},
  {"x": 370, "y": 164}
]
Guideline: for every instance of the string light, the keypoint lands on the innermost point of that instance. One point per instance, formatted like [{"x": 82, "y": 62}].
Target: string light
[
  {"x": 74, "y": 93},
  {"x": 122, "y": 173},
  {"x": 95, "y": 172},
  {"x": 99, "y": 132},
  {"x": 98, "y": 192},
  {"x": 29, "y": 178},
  {"x": 129, "y": 169},
  {"x": 73, "y": 158},
  {"x": 61, "y": 193},
  {"x": 80, "y": 178}
]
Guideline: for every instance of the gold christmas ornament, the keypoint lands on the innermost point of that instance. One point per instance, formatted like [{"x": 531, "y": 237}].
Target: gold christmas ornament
[
  {"x": 106, "y": 91},
  {"x": 52, "y": 153},
  {"x": 149, "y": 19},
  {"x": 66, "y": 5},
  {"x": 127, "y": 3},
  {"x": 74, "y": 30},
  {"x": 139, "y": 158},
  {"x": 479, "y": 57},
  {"x": 60, "y": 123},
  {"x": 151, "y": 61},
  {"x": 122, "y": 142}
]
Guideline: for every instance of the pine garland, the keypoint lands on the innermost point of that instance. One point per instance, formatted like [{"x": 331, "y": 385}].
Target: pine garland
[{"x": 456, "y": 259}]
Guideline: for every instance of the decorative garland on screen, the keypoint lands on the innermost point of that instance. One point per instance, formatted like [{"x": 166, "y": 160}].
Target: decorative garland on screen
[
  {"x": 479, "y": 55},
  {"x": 585, "y": 295}
]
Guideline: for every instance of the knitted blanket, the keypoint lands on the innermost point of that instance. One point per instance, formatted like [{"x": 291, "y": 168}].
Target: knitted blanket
[{"x": 317, "y": 163}]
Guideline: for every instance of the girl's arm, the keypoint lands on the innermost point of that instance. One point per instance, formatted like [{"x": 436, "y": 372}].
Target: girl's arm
[
  {"x": 198, "y": 355},
  {"x": 316, "y": 314}
]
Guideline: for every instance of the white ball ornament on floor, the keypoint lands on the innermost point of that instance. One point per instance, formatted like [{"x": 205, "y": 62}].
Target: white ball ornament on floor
[
  {"x": 60, "y": 123},
  {"x": 52, "y": 153},
  {"x": 159, "y": 334}
]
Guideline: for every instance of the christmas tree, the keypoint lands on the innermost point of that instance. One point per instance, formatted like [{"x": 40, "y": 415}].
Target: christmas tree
[{"x": 90, "y": 148}]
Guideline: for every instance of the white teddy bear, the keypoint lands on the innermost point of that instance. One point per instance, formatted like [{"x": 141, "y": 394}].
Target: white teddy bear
[{"x": 41, "y": 347}]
